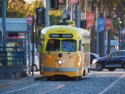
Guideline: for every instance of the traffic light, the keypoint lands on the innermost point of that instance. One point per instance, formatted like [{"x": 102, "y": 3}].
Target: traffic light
[
  {"x": 54, "y": 4},
  {"x": 11, "y": 34},
  {"x": 83, "y": 24},
  {"x": 40, "y": 16}
]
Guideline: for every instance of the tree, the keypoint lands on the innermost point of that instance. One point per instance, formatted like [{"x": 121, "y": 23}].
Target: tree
[
  {"x": 55, "y": 16},
  {"x": 16, "y": 8},
  {"x": 19, "y": 8},
  {"x": 32, "y": 7}
]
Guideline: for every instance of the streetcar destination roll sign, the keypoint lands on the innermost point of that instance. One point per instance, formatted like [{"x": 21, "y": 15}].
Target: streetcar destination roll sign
[{"x": 60, "y": 35}]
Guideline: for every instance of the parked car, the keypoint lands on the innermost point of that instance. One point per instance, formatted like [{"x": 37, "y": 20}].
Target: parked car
[
  {"x": 92, "y": 57},
  {"x": 111, "y": 61}
]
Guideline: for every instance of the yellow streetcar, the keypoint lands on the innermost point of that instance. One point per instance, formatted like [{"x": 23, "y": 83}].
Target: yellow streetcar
[{"x": 65, "y": 52}]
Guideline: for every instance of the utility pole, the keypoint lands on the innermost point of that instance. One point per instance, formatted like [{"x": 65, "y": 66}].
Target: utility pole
[
  {"x": 47, "y": 12},
  {"x": 86, "y": 9},
  {"x": 4, "y": 29},
  {"x": 33, "y": 45},
  {"x": 71, "y": 18},
  {"x": 67, "y": 4},
  {"x": 93, "y": 30},
  {"x": 4, "y": 23},
  {"x": 79, "y": 14},
  {"x": 97, "y": 33}
]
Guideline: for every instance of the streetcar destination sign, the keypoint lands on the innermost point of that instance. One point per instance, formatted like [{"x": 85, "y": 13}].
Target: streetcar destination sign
[{"x": 60, "y": 35}]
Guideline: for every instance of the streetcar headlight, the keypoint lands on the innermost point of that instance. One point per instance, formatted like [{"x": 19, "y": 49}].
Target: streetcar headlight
[
  {"x": 60, "y": 62},
  {"x": 79, "y": 63}
]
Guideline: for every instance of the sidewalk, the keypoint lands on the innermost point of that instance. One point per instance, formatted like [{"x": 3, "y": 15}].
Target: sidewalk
[
  {"x": 35, "y": 75},
  {"x": 8, "y": 82}
]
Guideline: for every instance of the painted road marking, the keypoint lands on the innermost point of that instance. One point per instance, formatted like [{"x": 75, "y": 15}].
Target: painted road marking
[
  {"x": 21, "y": 89},
  {"x": 58, "y": 87},
  {"x": 112, "y": 84}
]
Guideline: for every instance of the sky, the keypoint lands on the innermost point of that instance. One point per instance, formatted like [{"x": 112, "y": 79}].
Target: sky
[{"x": 29, "y": 1}]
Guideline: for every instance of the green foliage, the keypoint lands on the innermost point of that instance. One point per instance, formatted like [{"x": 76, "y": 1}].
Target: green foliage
[
  {"x": 55, "y": 16},
  {"x": 20, "y": 9},
  {"x": 15, "y": 8},
  {"x": 32, "y": 7},
  {"x": 54, "y": 19}
]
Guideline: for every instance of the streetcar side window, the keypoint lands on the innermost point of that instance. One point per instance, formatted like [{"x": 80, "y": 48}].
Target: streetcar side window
[
  {"x": 86, "y": 48},
  {"x": 69, "y": 45},
  {"x": 53, "y": 45},
  {"x": 80, "y": 44}
]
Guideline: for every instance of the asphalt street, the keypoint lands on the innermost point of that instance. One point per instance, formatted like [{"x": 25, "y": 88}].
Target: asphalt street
[{"x": 103, "y": 82}]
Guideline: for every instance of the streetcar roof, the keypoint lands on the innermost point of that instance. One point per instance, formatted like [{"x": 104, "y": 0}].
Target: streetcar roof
[{"x": 75, "y": 29}]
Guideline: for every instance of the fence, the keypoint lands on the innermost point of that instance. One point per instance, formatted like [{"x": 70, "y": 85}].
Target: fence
[{"x": 12, "y": 62}]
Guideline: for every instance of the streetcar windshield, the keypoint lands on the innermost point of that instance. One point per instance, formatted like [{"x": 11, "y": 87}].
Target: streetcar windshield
[
  {"x": 68, "y": 45},
  {"x": 53, "y": 45}
]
